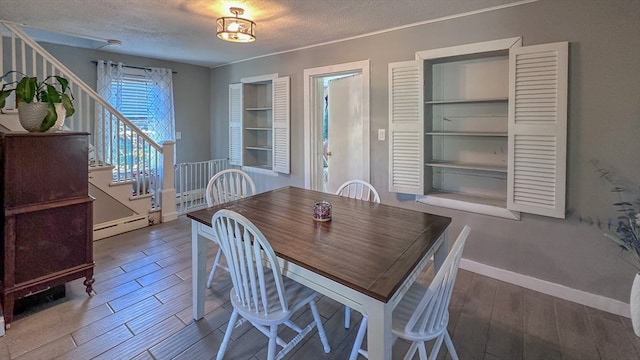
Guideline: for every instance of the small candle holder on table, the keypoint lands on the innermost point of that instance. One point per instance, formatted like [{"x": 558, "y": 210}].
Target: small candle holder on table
[{"x": 322, "y": 211}]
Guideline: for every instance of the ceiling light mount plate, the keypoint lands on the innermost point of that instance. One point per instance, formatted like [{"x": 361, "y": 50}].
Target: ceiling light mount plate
[
  {"x": 236, "y": 11},
  {"x": 114, "y": 42},
  {"x": 235, "y": 28}
]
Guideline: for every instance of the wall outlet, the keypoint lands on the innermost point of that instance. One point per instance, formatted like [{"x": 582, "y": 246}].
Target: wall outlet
[{"x": 381, "y": 134}]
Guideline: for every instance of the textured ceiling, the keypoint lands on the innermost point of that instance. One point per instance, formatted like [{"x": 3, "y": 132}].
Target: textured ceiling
[{"x": 184, "y": 30}]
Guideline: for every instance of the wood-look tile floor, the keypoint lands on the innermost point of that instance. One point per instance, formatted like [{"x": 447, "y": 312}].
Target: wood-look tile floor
[{"x": 142, "y": 310}]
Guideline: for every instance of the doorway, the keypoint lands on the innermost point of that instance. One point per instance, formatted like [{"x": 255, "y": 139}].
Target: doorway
[{"x": 337, "y": 137}]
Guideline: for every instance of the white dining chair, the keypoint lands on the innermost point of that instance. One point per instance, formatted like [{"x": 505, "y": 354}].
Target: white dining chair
[
  {"x": 423, "y": 312},
  {"x": 260, "y": 293},
  {"x": 360, "y": 190},
  {"x": 226, "y": 186}
]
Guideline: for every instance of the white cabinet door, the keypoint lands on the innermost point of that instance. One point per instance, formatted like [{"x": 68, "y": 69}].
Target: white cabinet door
[
  {"x": 235, "y": 124},
  {"x": 281, "y": 125},
  {"x": 538, "y": 129},
  {"x": 406, "y": 127}
]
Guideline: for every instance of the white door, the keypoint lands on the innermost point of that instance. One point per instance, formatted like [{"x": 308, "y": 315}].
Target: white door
[{"x": 345, "y": 144}]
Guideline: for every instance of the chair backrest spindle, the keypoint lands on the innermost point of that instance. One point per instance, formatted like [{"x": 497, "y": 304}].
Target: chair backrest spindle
[
  {"x": 359, "y": 189},
  {"x": 247, "y": 250},
  {"x": 229, "y": 185}
]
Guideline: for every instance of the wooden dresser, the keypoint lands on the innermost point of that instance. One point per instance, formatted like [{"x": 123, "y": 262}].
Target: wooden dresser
[{"x": 47, "y": 230}]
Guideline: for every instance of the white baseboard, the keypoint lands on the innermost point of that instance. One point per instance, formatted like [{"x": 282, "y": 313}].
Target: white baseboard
[
  {"x": 560, "y": 291},
  {"x": 111, "y": 228},
  {"x": 195, "y": 194}
]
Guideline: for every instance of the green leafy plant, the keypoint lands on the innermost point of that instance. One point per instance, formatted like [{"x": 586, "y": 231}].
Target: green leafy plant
[{"x": 52, "y": 90}]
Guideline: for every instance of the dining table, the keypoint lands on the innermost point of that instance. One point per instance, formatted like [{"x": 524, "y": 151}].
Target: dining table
[{"x": 366, "y": 256}]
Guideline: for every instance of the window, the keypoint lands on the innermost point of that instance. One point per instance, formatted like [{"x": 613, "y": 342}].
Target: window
[
  {"x": 144, "y": 97},
  {"x": 134, "y": 92}
]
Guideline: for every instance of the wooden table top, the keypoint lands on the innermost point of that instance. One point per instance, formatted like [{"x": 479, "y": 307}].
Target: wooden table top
[{"x": 366, "y": 246}]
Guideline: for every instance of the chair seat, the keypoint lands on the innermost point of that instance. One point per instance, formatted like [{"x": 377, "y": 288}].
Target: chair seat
[
  {"x": 297, "y": 296},
  {"x": 406, "y": 308}
]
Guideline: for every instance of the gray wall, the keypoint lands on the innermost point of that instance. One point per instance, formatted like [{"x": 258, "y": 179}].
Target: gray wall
[
  {"x": 190, "y": 93},
  {"x": 604, "y": 124}
]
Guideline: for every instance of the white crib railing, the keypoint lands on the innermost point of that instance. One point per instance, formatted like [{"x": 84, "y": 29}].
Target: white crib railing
[
  {"x": 134, "y": 157},
  {"x": 191, "y": 181}
]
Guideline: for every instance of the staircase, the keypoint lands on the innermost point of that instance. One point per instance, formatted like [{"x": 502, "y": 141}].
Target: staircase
[{"x": 132, "y": 176}]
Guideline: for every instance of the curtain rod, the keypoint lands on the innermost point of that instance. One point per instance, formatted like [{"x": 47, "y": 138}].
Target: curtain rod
[{"x": 95, "y": 62}]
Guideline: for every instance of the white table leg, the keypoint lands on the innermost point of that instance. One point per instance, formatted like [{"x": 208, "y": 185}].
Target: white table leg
[
  {"x": 1, "y": 321},
  {"x": 379, "y": 339},
  {"x": 199, "y": 258},
  {"x": 441, "y": 252}
]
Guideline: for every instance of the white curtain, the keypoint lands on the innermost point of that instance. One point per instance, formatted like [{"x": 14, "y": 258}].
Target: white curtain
[
  {"x": 109, "y": 86},
  {"x": 145, "y": 96},
  {"x": 160, "y": 96}
]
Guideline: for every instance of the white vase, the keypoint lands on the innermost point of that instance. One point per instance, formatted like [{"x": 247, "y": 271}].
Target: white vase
[
  {"x": 62, "y": 114},
  {"x": 31, "y": 116},
  {"x": 634, "y": 303}
]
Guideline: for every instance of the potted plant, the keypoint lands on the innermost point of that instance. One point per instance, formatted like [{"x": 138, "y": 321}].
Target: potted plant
[
  {"x": 40, "y": 103},
  {"x": 625, "y": 232}
]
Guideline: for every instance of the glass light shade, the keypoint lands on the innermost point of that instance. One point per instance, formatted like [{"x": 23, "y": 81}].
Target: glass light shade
[{"x": 236, "y": 29}]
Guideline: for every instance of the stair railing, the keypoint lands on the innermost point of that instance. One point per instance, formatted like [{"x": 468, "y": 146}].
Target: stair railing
[{"x": 134, "y": 157}]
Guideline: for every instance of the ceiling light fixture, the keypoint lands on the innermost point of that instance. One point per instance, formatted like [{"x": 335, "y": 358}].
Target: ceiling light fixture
[{"x": 236, "y": 29}]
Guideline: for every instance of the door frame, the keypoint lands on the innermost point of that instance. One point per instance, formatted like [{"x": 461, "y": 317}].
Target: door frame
[{"x": 313, "y": 123}]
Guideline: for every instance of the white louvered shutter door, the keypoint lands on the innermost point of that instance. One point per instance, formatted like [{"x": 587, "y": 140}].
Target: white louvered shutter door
[
  {"x": 406, "y": 128},
  {"x": 235, "y": 124},
  {"x": 538, "y": 129},
  {"x": 281, "y": 132}
]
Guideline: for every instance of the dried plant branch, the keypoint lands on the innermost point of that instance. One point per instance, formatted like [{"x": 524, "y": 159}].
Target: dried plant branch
[{"x": 626, "y": 228}]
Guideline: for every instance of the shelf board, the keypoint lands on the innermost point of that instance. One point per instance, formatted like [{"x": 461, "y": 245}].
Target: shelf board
[
  {"x": 466, "y": 133},
  {"x": 261, "y": 148},
  {"x": 483, "y": 200},
  {"x": 261, "y": 166},
  {"x": 466, "y": 101},
  {"x": 472, "y": 203},
  {"x": 258, "y": 108},
  {"x": 477, "y": 116},
  {"x": 263, "y": 169},
  {"x": 259, "y": 128},
  {"x": 468, "y": 166}
]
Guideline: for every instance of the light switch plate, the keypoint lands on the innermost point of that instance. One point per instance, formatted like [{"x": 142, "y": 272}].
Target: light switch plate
[
  {"x": 178, "y": 135},
  {"x": 381, "y": 134}
]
